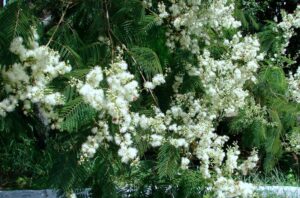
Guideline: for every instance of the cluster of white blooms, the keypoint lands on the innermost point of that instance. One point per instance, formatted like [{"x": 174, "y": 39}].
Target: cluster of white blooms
[
  {"x": 113, "y": 100},
  {"x": 100, "y": 133},
  {"x": 293, "y": 142},
  {"x": 185, "y": 163},
  {"x": 226, "y": 188},
  {"x": 189, "y": 125},
  {"x": 224, "y": 79},
  {"x": 190, "y": 121},
  {"x": 288, "y": 25},
  {"x": 157, "y": 80},
  {"x": 249, "y": 164},
  {"x": 27, "y": 80},
  {"x": 252, "y": 112},
  {"x": 177, "y": 83},
  {"x": 188, "y": 20},
  {"x": 294, "y": 86}
]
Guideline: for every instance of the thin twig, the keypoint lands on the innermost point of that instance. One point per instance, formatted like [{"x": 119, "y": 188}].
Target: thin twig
[
  {"x": 57, "y": 26},
  {"x": 109, "y": 28},
  {"x": 17, "y": 22}
]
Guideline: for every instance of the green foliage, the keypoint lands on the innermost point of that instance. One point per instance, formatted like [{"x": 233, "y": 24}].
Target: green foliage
[
  {"x": 76, "y": 114},
  {"x": 147, "y": 59},
  {"x": 15, "y": 21},
  {"x": 168, "y": 161},
  {"x": 272, "y": 83},
  {"x": 66, "y": 173},
  {"x": 255, "y": 135},
  {"x": 273, "y": 142}
]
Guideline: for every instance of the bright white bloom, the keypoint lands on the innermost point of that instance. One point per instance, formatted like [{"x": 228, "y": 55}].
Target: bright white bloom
[
  {"x": 94, "y": 77},
  {"x": 250, "y": 163},
  {"x": 149, "y": 85},
  {"x": 188, "y": 20},
  {"x": 100, "y": 133},
  {"x": 232, "y": 157},
  {"x": 294, "y": 86},
  {"x": 158, "y": 79},
  {"x": 113, "y": 101},
  {"x": 156, "y": 140},
  {"x": 127, "y": 153},
  {"x": 185, "y": 163},
  {"x": 226, "y": 188},
  {"x": 288, "y": 25},
  {"x": 27, "y": 81}
]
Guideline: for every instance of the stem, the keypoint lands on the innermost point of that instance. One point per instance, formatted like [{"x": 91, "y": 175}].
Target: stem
[
  {"x": 109, "y": 28},
  {"x": 57, "y": 26}
]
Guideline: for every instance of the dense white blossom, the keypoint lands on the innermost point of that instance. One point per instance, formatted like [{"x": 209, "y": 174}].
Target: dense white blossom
[
  {"x": 293, "y": 142},
  {"x": 294, "y": 86},
  {"x": 224, "y": 79},
  {"x": 189, "y": 19},
  {"x": 114, "y": 101},
  {"x": 27, "y": 81},
  {"x": 184, "y": 163},
  {"x": 226, "y": 188},
  {"x": 288, "y": 25},
  {"x": 157, "y": 80},
  {"x": 189, "y": 123}
]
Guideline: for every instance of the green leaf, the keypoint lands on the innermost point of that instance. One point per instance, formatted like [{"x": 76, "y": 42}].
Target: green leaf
[
  {"x": 76, "y": 114},
  {"x": 255, "y": 135},
  {"x": 273, "y": 143},
  {"x": 272, "y": 83},
  {"x": 168, "y": 161},
  {"x": 147, "y": 59}
]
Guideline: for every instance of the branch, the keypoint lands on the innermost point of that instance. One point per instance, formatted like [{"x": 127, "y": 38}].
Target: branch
[{"x": 57, "y": 26}]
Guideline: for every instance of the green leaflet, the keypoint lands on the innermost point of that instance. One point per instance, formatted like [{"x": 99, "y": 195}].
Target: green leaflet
[
  {"x": 255, "y": 135},
  {"x": 147, "y": 59},
  {"x": 273, "y": 146},
  {"x": 168, "y": 161},
  {"x": 76, "y": 114},
  {"x": 272, "y": 84}
]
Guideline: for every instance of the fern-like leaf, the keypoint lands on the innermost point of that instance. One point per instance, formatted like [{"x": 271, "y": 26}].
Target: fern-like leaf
[{"x": 75, "y": 114}]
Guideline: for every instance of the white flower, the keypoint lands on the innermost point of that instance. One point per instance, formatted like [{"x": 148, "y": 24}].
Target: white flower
[
  {"x": 149, "y": 85},
  {"x": 127, "y": 153},
  {"x": 158, "y": 79},
  {"x": 27, "y": 81},
  {"x": 94, "y": 77},
  {"x": 53, "y": 99},
  {"x": 184, "y": 163},
  {"x": 156, "y": 140}
]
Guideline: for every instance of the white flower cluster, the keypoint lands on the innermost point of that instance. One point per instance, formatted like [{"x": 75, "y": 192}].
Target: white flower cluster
[
  {"x": 224, "y": 79},
  {"x": 27, "y": 80},
  {"x": 293, "y": 142},
  {"x": 226, "y": 188},
  {"x": 157, "y": 80},
  {"x": 147, "y": 3},
  {"x": 188, "y": 20},
  {"x": 294, "y": 86},
  {"x": 288, "y": 25},
  {"x": 100, "y": 133},
  {"x": 114, "y": 101},
  {"x": 189, "y": 125}
]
